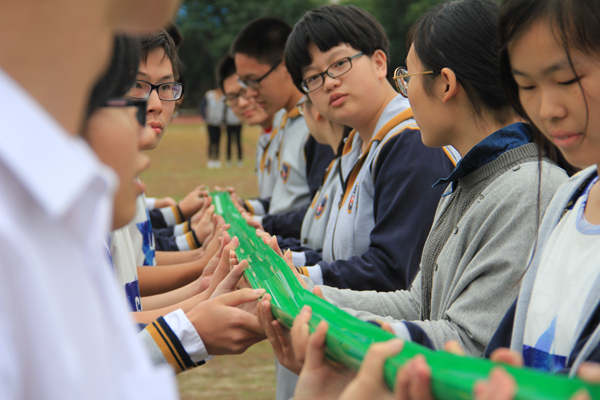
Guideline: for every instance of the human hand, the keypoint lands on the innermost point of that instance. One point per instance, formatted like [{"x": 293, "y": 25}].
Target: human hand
[
  {"x": 319, "y": 378},
  {"x": 212, "y": 242},
  {"x": 278, "y": 336},
  {"x": 192, "y": 202},
  {"x": 271, "y": 241},
  {"x": 204, "y": 227},
  {"x": 212, "y": 265},
  {"x": 223, "y": 327},
  {"x": 164, "y": 202},
  {"x": 206, "y": 202}
]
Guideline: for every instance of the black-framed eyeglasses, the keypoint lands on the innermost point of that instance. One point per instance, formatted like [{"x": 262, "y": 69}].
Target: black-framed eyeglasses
[
  {"x": 335, "y": 70},
  {"x": 139, "y": 104},
  {"x": 402, "y": 77},
  {"x": 167, "y": 91},
  {"x": 255, "y": 83},
  {"x": 231, "y": 99}
]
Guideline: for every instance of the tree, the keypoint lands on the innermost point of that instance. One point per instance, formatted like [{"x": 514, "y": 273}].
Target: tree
[{"x": 209, "y": 28}]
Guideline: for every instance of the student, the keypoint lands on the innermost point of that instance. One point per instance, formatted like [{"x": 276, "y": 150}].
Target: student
[
  {"x": 246, "y": 109},
  {"x": 117, "y": 132},
  {"x": 295, "y": 175},
  {"x": 478, "y": 248},
  {"x": 385, "y": 202},
  {"x": 55, "y": 208}
]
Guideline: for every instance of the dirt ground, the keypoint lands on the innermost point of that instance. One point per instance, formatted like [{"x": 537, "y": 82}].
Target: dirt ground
[{"x": 178, "y": 164}]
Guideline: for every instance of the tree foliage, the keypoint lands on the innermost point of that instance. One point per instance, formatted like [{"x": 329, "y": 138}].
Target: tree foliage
[{"x": 209, "y": 28}]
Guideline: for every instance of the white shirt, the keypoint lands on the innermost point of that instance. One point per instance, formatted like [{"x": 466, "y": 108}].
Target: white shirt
[{"x": 64, "y": 333}]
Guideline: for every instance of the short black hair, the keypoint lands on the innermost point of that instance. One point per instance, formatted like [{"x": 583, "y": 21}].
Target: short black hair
[
  {"x": 262, "y": 39},
  {"x": 225, "y": 69},
  {"x": 461, "y": 35},
  {"x": 329, "y": 26},
  {"x": 161, "y": 40},
  {"x": 119, "y": 76},
  {"x": 175, "y": 33}
]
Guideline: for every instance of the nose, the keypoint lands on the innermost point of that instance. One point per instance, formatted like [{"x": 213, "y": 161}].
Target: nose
[
  {"x": 154, "y": 103},
  {"x": 551, "y": 105},
  {"x": 250, "y": 92},
  {"x": 330, "y": 83},
  {"x": 243, "y": 101}
]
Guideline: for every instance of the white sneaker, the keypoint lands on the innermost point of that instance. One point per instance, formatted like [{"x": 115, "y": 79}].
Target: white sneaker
[
  {"x": 229, "y": 164},
  {"x": 217, "y": 164},
  {"x": 240, "y": 163},
  {"x": 211, "y": 164}
]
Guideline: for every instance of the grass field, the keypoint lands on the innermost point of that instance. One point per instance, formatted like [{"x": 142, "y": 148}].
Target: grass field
[{"x": 179, "y": 164}]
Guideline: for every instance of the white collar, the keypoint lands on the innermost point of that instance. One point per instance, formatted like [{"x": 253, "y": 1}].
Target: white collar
[{"x": 50, "y": 164}]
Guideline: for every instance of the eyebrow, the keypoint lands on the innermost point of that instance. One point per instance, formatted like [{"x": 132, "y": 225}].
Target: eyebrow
[
  {"x": 549, "y": 70},
  {"x": 166, "y": 77},
  {"x": 331, "y": 59}
]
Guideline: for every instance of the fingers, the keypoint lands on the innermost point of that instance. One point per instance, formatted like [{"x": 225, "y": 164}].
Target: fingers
[
  {"x": 265, "y": 317},
  {"x": 275, "y": 246},
  {"x": 500, "y": 386},
  {"x": 318, "y": 292},
  {"x": 372, "y": 365},
  {"x": 454, "y": 347},
  {"x": 315, "y": 349},
  {"x": 239, "y": 297},
  {"x": 507, "y": 356},
  {"x": 230, "y": 281},
  {"x": 300, "y": 332},
  {"x": 589, "y": 372},
  {"x": 414, "y": 380}
]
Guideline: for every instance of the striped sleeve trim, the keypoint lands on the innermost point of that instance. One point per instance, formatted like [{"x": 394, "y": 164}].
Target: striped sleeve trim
[
  {"x": 172, "y": 215},
  {"x": 181, "y": 229},
  {"x": 170, "y": 346},
  {"x": 302, "y": 271}
]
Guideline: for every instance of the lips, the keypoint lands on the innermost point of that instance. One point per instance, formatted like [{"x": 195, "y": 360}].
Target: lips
[
  {"x": 565, "y": 139},
  {"x": 157, "y": 126},
  {"x": 337, "y": 99}
]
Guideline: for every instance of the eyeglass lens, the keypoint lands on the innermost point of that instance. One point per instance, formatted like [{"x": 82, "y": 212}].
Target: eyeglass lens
[{"x": 169, "y": 91}]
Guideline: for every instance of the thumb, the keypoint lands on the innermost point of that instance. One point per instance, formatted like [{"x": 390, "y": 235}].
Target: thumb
[
  {"x": 232, "y": 278},
  {"x": 372, "y": 365},
  {"x": 241, "y": 296}
]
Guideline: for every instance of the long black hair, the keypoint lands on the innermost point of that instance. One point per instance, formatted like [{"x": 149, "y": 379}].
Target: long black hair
[
  {"x": 575, "y": 24},
  {"x": 120, "y": 75},
  {"x": 461, "y": 35}
]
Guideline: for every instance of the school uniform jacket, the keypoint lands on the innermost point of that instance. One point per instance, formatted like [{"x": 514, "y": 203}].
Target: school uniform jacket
[
  {"x": 384, "y": 209},
  {"x": 294, "y": 168},
  {"x": 511, "y": 331}
]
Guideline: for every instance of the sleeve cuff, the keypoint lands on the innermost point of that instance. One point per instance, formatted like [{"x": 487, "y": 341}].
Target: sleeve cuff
[
  {"x": 298, "y": 258},
  {"x": 181, "y": 229},
  {"x": 255, "y": 207},
  {"x": 172, "y": 215},
  {"x": 187, "y": 241},
  {"x": 258, "y": 218},
  {"x": 314, "y": 273},
  {"x": 150, "y": 203},
  {"x": 401, "y": 330},
  {"x": 188, "y": 336}
]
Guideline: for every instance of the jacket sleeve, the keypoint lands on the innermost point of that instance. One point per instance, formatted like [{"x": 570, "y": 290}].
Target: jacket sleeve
[
  {"x": 404, "y": 205},
  {"x": 287, "y": 224},
  {"x": 258, "y": 206},
  {"x": 318, "y": 158},
  {"x": 166, "y": 216},
  {"x": 503, "y": 333}
]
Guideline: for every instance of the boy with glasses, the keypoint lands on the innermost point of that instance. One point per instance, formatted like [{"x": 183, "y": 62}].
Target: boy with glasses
[
  {"x": 338, "y": 56},
  {"x": 292, "y": 162}
]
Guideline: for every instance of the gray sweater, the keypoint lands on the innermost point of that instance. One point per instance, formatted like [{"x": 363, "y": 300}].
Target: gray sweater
[{"x": 475, "y": 277}]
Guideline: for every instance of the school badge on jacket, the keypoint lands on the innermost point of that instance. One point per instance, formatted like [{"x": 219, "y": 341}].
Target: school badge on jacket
[
  {"x": 320, "y": 208},
  {"x": 285, "y": 172},
  {"x": 351, "y": 202}
]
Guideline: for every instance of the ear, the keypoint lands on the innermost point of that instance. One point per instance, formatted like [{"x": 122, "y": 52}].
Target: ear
[
  {"x": 451, "y": 84},
  {"x": 380, "y": 61}
]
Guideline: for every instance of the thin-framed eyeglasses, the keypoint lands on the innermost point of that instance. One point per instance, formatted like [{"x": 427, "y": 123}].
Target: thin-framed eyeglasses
[
  {"x": 255, "y": 83},
  {"x": 231, "y": 99},
  {"x": 167, "y": 91},
  {"x": 335, "y": 70},
  {"x": 140, "y": 106},
  {"x": 402, "y": 77}
]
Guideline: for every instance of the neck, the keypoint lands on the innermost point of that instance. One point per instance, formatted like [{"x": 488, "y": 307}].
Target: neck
[
  {"x": 366, "y": 130},
  {"x": 62, "y": 48},
  {"x": 293, "y": 100},
  {"x": 471, "y": 132},
  {"x": 337, "y": 132}
]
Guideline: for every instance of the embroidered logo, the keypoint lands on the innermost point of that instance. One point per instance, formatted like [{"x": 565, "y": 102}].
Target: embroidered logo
[
  {"x": 351, "y": 202},
  {"x": 268, "y": 165},
  {"x": 285, "y": 172},
  {"x": 321, "y": 208}
]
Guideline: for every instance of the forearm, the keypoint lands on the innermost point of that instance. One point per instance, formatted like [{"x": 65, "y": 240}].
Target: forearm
[
  {"x": 156, "y": 280},
  {"x": 172, "y": 297},
  {"x": 177, "y": 257},
  {"x": 146, "y": 317}
]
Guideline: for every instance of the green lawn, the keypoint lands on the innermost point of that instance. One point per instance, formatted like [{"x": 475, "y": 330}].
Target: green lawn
[{"x": 178, "y": 164}]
